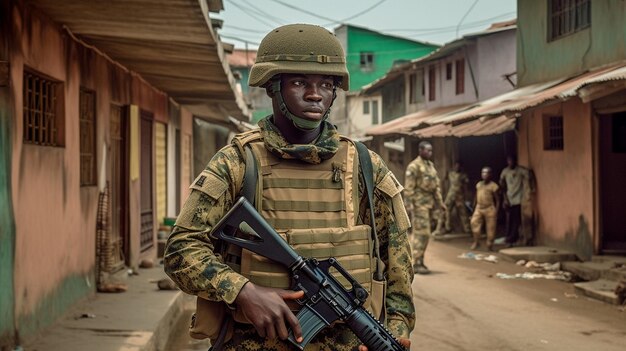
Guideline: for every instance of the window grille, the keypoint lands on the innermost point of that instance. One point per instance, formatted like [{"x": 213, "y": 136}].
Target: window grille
[
  {"x": 567, "y": 16},
  {"x": 43, "y": 110},
  {"x": 553, "y": 133},
  {"x": 87, "y": 130}
]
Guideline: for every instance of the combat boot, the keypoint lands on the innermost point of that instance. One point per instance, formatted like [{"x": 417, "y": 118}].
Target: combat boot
[{"x": 420, "y": 268}]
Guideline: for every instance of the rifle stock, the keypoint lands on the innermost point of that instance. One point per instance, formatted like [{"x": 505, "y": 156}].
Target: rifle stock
[{"x": 325, "y": 299}]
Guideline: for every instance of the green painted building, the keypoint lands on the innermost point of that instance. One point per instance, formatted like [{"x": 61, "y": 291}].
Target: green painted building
[
  {"x": 370, "y": 54},
  {"x": 594, "y": 36}
]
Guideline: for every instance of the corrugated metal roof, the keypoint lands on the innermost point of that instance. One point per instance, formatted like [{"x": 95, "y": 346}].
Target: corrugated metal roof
[
  {"x": 170, "y": 43},
  {"x": 534, "y": 95},
  {"x": 476, "y": 127},
  {"x": 407, "y": 123}
]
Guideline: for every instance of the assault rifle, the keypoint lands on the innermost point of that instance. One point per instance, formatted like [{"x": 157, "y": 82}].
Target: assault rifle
[{"x": 325, "y": 299}]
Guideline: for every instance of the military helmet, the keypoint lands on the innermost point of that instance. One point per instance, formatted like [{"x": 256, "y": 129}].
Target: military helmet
[{"x": 299, "y": 48}]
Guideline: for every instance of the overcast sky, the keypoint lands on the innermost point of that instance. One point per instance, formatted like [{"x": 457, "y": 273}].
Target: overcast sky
[{"x": 435, "y": 21}]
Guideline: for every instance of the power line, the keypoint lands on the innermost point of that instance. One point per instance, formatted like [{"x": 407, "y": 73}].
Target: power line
[
  {"x": 229, "y": 26},
  {"x": 240, "y": 39},
  {"x": 305, "y": 11},
  {"x": 246, "y": 11},
  {"x": 469, "y": 24},
  {"x": 465, "y": 15},
  {"x": 263, "y": 13},
  {"x": 359, "y": 14}
]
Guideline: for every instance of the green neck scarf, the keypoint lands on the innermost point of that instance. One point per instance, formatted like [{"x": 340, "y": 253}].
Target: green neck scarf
[{"x": 322, "y": 148}]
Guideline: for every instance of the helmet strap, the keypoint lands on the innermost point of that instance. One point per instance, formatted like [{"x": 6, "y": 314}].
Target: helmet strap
[{"x": 298, "y": 122}]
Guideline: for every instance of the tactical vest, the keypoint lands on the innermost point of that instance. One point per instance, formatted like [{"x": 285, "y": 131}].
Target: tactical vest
[{"x": 315, "y": 209}]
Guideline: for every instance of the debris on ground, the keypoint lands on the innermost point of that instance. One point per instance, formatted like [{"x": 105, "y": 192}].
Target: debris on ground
[
  {"x": 500, "y": 241},
  {"x": 570, "y": 295},
  {"x": 520, "y": 262},
  {"x": 166, "y": 284},
  {"x": 479, "y": 257},
  {"x": 85, "y": 315},
  {"x": 557, "y": 275},
  {"x": 112, "y": 288},
  {"x": 550, "y": 267},
  {"x": 146, "y": 263}
]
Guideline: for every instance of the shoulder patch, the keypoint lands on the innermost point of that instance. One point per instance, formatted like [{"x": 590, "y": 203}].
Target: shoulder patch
[
  {"x": 210, "y": 184},
  {"x": 390, "y": 185}
]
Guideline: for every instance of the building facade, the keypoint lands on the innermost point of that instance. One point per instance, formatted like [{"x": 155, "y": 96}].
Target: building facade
[
  {"x": 369, "y": 56},
  {"x": 96, "y": 143}
]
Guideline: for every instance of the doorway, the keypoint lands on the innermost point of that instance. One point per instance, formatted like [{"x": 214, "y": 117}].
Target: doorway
[
  {"x": 119, "y": 187},
  {"x": 612, "y": 147}
]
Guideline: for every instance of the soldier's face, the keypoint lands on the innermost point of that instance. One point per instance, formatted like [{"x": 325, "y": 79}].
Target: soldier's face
[{"x": 307, "y": 95}]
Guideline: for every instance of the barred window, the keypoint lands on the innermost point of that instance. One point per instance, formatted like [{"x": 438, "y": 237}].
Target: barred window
[
  {"x": 43, "y": 110},
  {"x": 87, "y": 128},
  {"x": 432, "y": 79},
  {"x": 553, "y": 133},
  {"x": 567, "y": 16}
]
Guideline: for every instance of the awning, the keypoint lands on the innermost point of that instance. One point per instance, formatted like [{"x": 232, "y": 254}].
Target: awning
[
  {"x": 171, "y": 44},
  {"x": 477, "y": 127},
  {"x": 407, "y": 123},
  {"x": 535, "y": 95}
]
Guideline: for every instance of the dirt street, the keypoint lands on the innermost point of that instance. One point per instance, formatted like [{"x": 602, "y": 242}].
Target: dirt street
[{"x": 463, "y": 306}]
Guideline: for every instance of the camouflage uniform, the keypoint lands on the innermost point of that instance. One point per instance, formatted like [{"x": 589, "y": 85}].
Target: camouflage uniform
[
  {"x": 423, "y": 192},
  {"x": 455, "y": 199},
  {"x": 191, "y": 261}
]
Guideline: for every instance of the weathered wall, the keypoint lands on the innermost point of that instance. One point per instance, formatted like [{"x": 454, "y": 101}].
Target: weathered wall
[
  {"x": 55, "y": 217},
  {"x": 7, "y": 224},
  {"x": 539, "y": 60},
  {"x": 495, "y": 58},
  {"x": 564, "y": 195}
]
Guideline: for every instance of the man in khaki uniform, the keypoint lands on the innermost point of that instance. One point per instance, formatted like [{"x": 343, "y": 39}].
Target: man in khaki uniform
[
  {"x": 422, "y": 191},
  {"x": 310, "y": 189},
  {"x": 455, "y": 199},
  {"x": 486, "y": 209}
]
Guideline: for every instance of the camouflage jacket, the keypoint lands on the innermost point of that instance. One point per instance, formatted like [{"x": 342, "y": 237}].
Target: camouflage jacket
[
  {"x": 190, "y": 259},
  {"x": 422, "y": 187}
]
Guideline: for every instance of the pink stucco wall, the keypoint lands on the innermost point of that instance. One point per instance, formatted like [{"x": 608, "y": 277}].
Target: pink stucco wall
[
  {"x": 564, "y": 198},
  {"x": 55, "y": 216}
]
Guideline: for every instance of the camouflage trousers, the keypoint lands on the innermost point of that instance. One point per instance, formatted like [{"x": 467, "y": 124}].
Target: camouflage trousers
[
  {"x": 335, "y": 338},
  {"x": 454, "y": 203},
  {"x": 420, "y": 231},
  {"x": 489, "y": 216}
]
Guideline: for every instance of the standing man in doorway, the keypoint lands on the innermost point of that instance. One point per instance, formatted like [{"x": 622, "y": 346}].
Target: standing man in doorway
[
  {"x": 514, "y": 181},
  {"x": 423, "y": 192}
]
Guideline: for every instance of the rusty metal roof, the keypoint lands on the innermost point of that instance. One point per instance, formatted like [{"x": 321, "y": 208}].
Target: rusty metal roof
[
  {"x": 534, "y": 95},
  {"x": 407, "y": 123},
  {"x": 170, "y": 43},
  {"x": 476, "y": 127}
]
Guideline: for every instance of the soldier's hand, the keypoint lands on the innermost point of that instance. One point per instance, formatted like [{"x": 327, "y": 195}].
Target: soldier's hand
[
  {"x": 405, "y": 342},
  {"x": 266, "y": 309},
  {"x": 444, "y": 208}
]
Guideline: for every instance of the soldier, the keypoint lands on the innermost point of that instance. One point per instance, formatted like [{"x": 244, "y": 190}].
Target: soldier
[
  {"x": 310, "y": 189},
  {"x": 455, "y": 199},
  {"x": 423, "y": 192},
  {"x": 485, "y": 209}
]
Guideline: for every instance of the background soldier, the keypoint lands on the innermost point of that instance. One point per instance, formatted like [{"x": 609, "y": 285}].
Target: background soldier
[
  {"x": 307, "y": 191},
  {"x": 485, "y": 209},
  {"x": 423, "y": 192},
  {"x": 455, "y": 200}
]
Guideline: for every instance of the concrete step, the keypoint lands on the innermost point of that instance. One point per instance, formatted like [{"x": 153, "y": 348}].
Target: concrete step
[
  {"x": 541, "y": 254},
  {"x": 600, "y": 289},
  {"x": 600, "y": 267},
  {"x": 586, "y": 270}
]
